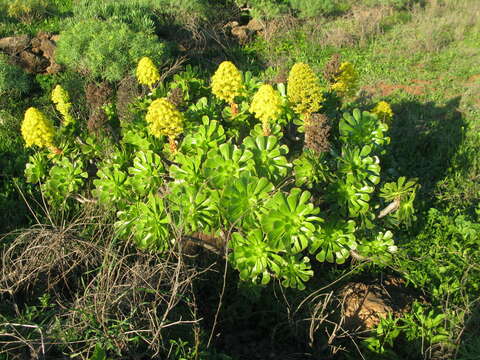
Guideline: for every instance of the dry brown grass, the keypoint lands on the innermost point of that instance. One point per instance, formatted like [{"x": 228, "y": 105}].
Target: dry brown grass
[
  {"x": 440, "y": 23},
  {"x": 101, "y": 289},
  {"x": 134, "y": 295},
  {"x": 357, "y": 27},
  {"x": 44, "y": 258}
]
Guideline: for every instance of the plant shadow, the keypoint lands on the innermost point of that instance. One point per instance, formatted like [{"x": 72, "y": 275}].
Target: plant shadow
[{"x": 425, "y": 139}]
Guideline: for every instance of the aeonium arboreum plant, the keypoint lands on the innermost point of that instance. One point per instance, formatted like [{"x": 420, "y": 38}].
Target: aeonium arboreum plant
[{"x": 176, "y": 173}]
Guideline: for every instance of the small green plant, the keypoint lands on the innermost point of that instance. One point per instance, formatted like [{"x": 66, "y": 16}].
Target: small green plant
[
  {"x": 421, "y": 328},
  {"x": 14, "y": 81},
  {"x": 106, "y": 50},
  {"x": 29, "y": 10}
]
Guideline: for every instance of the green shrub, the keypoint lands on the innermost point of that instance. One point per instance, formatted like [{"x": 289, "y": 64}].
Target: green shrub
[
  {"x": 140, "y": 15},
  {"x": 28, "y": 10},
  {"x": 137, "y": 16},
  {"x": 106, "y": 50},
  {"x": 223, "y": 175},
  {"x": 13, "y": 80}
]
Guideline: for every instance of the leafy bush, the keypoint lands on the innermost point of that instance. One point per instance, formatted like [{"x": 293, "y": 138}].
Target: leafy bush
[
  {"x": 419, "y": 331},
  {"x": 13, "y": 80},
  {"x": 28, "y": 10},
  {"x": 274, "y": 206},
  {"x": 446, "y": 272},
  {"x": 106, "y": 50},
  {"x": 141, "y": 15}
]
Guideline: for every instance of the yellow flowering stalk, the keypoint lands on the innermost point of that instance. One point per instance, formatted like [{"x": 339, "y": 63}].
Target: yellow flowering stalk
[
  {"x": 304, "y": 91},
  {"x": 267, "y": 106},
  {"x": 38, "y": 130},
  {"x": 346, "y": 79},
  {"x": 163, "y": 118},
  {"x": 383, "y": 111},
  {"x": 61, "y": 99},
  {"x": 147, "y": 73},
  {"x": 227, "y": 84}
]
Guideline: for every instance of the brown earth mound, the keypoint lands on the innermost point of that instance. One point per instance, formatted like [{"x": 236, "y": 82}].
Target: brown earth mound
[{"x": 35, "y": 55}]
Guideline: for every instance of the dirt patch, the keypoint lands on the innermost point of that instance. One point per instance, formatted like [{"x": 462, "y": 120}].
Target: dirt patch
[
  {"x": 473, "y": 79},
  {"x": 421, "y": 82},
  {"x": 244, "y": 33},
  {"x": 364, "y": 305},
  {"x": 385, "y": 89}
]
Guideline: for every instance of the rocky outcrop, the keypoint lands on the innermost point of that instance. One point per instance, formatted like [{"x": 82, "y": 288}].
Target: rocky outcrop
[
  {"x": 36, "y": 55},
  {"x": 243, "y": 33},
  {"x": 14, "y": 44},
  {"x": 364, "y": 305}
]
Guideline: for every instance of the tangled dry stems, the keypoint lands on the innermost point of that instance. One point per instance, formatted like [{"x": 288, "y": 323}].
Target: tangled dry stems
[
  {"x": 42, "y": 257},
  {"x": 103, "y": 291}
]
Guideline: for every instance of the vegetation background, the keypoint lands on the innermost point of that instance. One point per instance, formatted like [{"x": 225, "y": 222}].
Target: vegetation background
[{"x": 421, "y": 56}]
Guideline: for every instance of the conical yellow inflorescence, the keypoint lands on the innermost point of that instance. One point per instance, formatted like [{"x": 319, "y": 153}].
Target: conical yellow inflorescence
[
  {"x": 267, "y": 106},
  {"x": 147, "y": 73},
  {"x": 227, "y": 82},
  {"x": 37, "y": 129},
  {"x": 383, "y": 111},
  {"x": 304, "y": 91},
  {"x": 346, "y": 79},
  {"x": 61, "y": 99},
  {"x": 163, "y": 118}
]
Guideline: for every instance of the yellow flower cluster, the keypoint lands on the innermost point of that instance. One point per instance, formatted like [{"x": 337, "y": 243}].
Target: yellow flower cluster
[
  {"x": 383, "y": 111},
  {"x": 163, "y": 118},
  {"x": 61, "y": 99},
  {"x": 227, "y": 82},
  {"x": 37, "y": 129},
  {"x": 304, "y": 90},
  {"x": 147, "y": 73},
  {"x": 267, "y": 106},
  {"x": 346, "y": 79}
]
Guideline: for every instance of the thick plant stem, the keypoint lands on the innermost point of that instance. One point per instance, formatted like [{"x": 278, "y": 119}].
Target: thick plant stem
[
  {"x": 234, "y": 109},
  {"x": 306, "y": 123},
  {"x": 173, "y": 144},
  {"x": 306, "y": 118},
  {"x": 55, "y": 150},
  {"x": 266, "y": 128}
]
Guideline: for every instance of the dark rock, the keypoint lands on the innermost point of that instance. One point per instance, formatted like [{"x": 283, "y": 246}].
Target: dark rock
[
  {"x": 255, "y": 25},
  {"x": 53, "y": 68},
  {"x": 48, "y": 48},
  {"x": 364, "y": 305},
  {"x": 241, "y": 33},
  {"x": 231, "y": 24},
  {"x": 42, "y": 35},
  {"x": 35, "y": 56},
  {"x": 14, "y": 44},
  {"x": 32, "y": 63}
]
